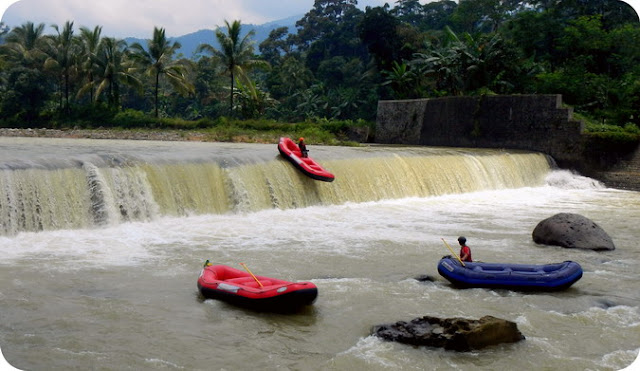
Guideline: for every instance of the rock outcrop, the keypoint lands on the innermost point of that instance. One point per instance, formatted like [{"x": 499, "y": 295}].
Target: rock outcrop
[
  {"x": 572, "y": 231},
  {"x": 458, "y": 334}
]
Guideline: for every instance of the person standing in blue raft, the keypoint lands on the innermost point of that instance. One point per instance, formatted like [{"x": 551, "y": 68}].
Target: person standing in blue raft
[{"x": 465, "y": 251}]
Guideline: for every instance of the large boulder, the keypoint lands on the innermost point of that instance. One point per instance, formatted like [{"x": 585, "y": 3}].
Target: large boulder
[
  {"x": 458, "y": 334},
  {"x": 572, "y": 231}
]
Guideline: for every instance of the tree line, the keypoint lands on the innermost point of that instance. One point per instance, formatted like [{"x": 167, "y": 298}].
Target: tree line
[{"x": 337, "y": 65}]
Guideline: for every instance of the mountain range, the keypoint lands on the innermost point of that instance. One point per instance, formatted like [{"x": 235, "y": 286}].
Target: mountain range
[{"x": 190, "y": 42}]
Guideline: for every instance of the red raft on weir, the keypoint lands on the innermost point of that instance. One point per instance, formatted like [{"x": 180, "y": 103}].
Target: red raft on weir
[
  {"x": 289, "y": 150},
  {"x": 259, "y": 293}
]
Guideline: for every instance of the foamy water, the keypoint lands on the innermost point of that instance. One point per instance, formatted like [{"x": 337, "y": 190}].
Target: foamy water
[{"x": 124, "y": 296}]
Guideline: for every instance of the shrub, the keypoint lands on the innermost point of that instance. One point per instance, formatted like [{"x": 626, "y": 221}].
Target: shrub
[
  {"x": 133, "y": 119},
  {"x": 632, "y": 128},
  {"x": 617, "y": 141}
]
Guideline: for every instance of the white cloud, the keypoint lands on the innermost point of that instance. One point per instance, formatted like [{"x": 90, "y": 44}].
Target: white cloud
[{"x": 121, "y": 18}]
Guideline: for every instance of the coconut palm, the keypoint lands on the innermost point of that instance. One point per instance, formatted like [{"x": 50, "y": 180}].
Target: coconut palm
[
  {"x": 25, "y": 45},
  {"x": 157, "y": 61},
  {"x": 90, "y": 43},
  {"x": 113, "y": 70},
  {"x": 62, "y": 52},
  {"x": 23, "y": 86},
  {"x": 236, "y": 55}
]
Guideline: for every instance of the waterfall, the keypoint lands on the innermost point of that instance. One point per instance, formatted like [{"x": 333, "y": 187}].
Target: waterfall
[{"x": 35, "y": 199}]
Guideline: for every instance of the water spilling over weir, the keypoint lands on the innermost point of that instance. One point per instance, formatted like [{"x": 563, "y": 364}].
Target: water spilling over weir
[{"x": 84, "y": 184}]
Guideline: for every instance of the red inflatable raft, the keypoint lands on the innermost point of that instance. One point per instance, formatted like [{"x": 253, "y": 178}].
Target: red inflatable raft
[
  {"x": 289, "y": 150},
  {"x": 261, "y": 293}
]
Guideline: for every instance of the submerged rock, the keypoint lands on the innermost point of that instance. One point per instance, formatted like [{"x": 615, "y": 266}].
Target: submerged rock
[
  {"x": 572, "y": 231},
  {"x": 425, "y": 278},
  {"x": 458, "y": 334}
]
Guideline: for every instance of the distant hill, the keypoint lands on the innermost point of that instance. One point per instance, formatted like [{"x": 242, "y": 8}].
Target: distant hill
[{"x": 190, "y": 42}]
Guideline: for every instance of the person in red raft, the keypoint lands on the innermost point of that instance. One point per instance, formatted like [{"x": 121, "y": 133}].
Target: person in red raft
[
  {"x": 303, "y": 147},
  {"x": 465, "y": 251}
]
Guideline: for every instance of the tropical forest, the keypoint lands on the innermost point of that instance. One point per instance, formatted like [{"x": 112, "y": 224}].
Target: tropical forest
[{"x": 331, "y": 69}]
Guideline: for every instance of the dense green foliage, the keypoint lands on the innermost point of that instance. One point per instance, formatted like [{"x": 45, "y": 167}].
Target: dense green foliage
[{"x": 335, "y": 68}]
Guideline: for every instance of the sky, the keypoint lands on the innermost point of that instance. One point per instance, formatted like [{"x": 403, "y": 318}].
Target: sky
[{"x": 137, "y": 18}]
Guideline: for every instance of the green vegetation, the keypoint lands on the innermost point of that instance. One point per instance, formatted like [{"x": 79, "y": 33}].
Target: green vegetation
[
  {"x": 223, "y": 129},
  {"x": 331, "y": 132},
  {"x": 325, "y": 80}
]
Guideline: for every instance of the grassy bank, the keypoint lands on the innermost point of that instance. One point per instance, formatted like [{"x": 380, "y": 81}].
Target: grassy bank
[{"x": 135, "y": 125}]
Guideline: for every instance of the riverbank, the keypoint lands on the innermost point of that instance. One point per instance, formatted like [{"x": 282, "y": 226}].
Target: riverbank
[{"x": 164, "y": 135}]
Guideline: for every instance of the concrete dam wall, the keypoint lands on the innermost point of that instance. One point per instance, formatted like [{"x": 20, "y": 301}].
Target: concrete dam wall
[{"x": 529, "y": 122}]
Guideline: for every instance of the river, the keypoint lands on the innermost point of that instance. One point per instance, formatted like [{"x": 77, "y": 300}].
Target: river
[{"x": 111, "y": 284}]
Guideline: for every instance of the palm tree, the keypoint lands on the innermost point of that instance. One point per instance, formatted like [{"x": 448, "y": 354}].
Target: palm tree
[
  {"x": 113, "y": 69},
  {"x": 157, "y": 61},
  {"x": 25, "y": 44},
  {"x": 89, "y": 42},
  {"x": 62, "y": 53},
  {"x": 23, "y": 86},
  {"x": 236, "y": 54}
]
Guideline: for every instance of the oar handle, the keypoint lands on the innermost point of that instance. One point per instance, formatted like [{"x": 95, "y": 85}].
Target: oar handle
[
  {"x": 254, "y": 277},
  {"x": 453, "y": 252}
]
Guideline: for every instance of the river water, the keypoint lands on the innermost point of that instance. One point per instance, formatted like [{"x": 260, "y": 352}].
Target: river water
[{"x": 120, "y": 292}]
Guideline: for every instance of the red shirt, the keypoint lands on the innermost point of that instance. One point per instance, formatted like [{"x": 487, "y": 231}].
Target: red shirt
[{"x": 465, "y": 250}]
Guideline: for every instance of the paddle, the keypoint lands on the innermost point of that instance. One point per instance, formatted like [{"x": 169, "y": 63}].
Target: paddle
[
  {"x": 454, "y": 254},
  {"x": 254, "y": 277}
]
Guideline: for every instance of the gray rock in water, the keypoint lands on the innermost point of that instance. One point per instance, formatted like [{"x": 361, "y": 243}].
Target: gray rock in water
[
  {"x": 425, "y": 278},
  {"x": 458, "y": 334},
  {"x": 572, "y": 231}
]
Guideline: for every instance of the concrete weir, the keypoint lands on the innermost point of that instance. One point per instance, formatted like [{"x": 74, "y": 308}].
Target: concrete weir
[{"x": 51, "y": 184}]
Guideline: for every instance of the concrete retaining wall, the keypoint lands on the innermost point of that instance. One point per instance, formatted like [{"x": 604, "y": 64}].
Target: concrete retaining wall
[
  {"x": 625, "y": 174},
  {"x": 530, "y": 122}
]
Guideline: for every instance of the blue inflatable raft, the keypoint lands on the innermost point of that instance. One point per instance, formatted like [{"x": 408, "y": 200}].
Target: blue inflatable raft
[{"x": 546, "y": 277}]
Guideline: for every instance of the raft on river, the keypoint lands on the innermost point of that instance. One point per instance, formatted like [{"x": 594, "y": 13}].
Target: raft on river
[
  {"x": 259, "y": 293},
  {"x": 289, "y": 150},
  {"x": 546, "y": 277}
]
